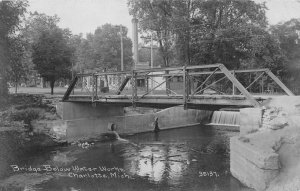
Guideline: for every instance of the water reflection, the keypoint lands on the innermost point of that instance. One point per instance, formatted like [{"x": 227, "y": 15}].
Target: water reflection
[
  {"x": 158, "y": 161},
  {"x": 170, "y": 160}
]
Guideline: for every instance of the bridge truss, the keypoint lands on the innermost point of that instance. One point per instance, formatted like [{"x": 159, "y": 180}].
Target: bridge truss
[{"x": 206, "y": 77}]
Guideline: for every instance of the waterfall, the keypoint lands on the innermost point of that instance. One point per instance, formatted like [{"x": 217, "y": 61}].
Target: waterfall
[{"x": 227, "y": 118}]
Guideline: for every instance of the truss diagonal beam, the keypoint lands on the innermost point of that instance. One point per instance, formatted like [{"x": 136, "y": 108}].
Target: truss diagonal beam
[
  {"x": 255, "y": 80},
  {"x": 166, "y": 88},
  {"x": 281, "y": 85},
  {"x": 205, "y": 80},
  {"x": 124, "y": 83},
  {"x": 212, "y": 84},
  {"x": 159, "y": 85},
  {"x": 239, "y": 86},
  {"x": 70, "y": 89}
]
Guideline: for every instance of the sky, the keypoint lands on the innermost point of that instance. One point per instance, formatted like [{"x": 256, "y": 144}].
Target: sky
[{"x": 84, "y": 16}]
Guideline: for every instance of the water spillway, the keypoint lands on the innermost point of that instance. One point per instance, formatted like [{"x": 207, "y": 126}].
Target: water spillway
[{"x": 227, "y": 118}]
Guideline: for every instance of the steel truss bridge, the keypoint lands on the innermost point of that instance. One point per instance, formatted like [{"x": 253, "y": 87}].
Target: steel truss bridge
[{"x": 207, "y": 77}]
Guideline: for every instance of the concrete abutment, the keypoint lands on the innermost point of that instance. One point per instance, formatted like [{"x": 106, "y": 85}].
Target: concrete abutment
[
  {"x": 257, "y": 156},
  {"x": 253, "y": 166},
  {"x": 85, "y": 121}
]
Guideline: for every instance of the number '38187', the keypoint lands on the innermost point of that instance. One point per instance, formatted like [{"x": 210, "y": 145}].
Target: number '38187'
[{"x": 208, "y": 174}]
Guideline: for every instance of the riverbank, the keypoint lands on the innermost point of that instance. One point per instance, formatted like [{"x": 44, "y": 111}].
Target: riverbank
[{"x": 28, "y": 118}]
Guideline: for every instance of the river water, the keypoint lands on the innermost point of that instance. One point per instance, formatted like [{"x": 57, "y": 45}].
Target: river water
[{"x": 189, "y": 158}]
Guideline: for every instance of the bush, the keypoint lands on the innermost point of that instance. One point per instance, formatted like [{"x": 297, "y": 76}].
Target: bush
[{"x": 26, "y": 115}]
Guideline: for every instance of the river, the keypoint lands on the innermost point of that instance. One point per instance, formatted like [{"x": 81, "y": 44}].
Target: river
[{"x": 189, "y": 158}]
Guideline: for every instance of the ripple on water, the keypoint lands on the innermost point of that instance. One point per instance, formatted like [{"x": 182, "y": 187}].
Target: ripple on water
[{"x": 169, "y": 160}]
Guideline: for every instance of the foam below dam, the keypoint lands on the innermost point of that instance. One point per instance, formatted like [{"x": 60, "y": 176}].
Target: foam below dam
[{"x": 227, "y": 118}]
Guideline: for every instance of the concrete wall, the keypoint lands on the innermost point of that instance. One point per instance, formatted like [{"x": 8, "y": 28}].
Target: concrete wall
[
  {"x": 85, "y": 121},
  {"x": 69, "y": 111},
  {"x": 253, "y": 166},
  {"x": 250, "y": 120},
  {"x": 167, "y": 118},
  {"x": 254, "y": 159}
]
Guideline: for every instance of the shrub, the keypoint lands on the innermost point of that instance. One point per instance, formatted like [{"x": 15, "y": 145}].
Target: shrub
[{"x": 26, "y": 115}]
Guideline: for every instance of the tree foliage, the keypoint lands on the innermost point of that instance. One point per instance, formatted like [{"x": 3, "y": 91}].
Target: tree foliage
[
  {"x": 203, "y": 32},
  {"x": 102, "y": 50},
  {"x": 145, "y": 56},
  {"x": 18, "y": 67},
  {"x": 11, "y": 13},
  {"x": 52, "y": 55},
  {"x": 34, "y": 25},
  {"x": 288, "y": 36}
]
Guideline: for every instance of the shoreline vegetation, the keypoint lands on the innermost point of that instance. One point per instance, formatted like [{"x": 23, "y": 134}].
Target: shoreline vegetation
[{"x": 21, "y": 118}]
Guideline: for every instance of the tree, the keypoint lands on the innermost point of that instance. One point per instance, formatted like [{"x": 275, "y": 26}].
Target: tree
[
  {"x": 34, "y": 25},
  {"x": 102, "y": 50},
  {"x": 145, "y": 56},
  {"x": 52, "y": 55},
  {"x": 288, "y": 36},
  {"x": 11, "y": 13},
  {"x": 74, "y": 43},
  {"x": 84, "y": 53},
  {"x": 224, "y": 31},
  {"x": 206, "y": 32},
  {"x": 18, "y": 68},
  {"x": 107, "y": 47}
]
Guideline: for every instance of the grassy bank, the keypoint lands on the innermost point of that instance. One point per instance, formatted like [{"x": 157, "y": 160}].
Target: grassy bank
[{"x": 19, "y": 113}]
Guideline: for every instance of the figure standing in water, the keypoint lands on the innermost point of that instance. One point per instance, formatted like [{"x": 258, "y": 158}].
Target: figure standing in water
[
  {"x": 156, "y": 128},
  {"x": 117, "y": 136},
  {"x": 113, "y": 129}
]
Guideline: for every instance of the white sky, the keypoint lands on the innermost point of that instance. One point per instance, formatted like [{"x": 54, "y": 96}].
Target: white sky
[{"x": 83, "y": 16}]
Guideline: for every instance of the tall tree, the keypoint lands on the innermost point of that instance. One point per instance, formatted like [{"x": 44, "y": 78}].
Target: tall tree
[
  {"x": 84, "y": 52},
  {"x": 18, "y": 67},
  {"x": 288, "y": 36},
  {"x": 205, "y": 32},
  {"x": 223, "y": 31},
  {"x": 74, "y": 43},
  {"x": 102, "y": 50},
  {"x": 107, "y": 47},
  {"x": 11, "y": 13},
  {"x": 52, "y": 55},
  {"x": 34, "y": 25}
]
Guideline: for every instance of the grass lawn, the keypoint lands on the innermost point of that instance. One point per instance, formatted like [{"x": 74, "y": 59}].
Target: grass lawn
[{"x": 37, "y": 90}]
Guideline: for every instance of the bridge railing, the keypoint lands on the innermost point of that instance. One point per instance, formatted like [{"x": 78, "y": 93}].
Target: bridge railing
[{"x": 192, "y": 81}]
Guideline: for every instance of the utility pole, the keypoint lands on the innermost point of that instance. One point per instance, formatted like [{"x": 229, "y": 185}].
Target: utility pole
[
  {"x": 233, "y": 86},
  {"x": 151, "y": 61},
  {"x": 135, "y": 41},
  {"x": 151, "y": 57},
  {"x": 72, "y": 70},
  {"x": 122, "y": 51},
  {"x": 73, "y": 75}
]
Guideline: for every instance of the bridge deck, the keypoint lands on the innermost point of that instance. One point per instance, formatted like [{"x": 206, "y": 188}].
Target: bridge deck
[{"x": 162, "y": 101}]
